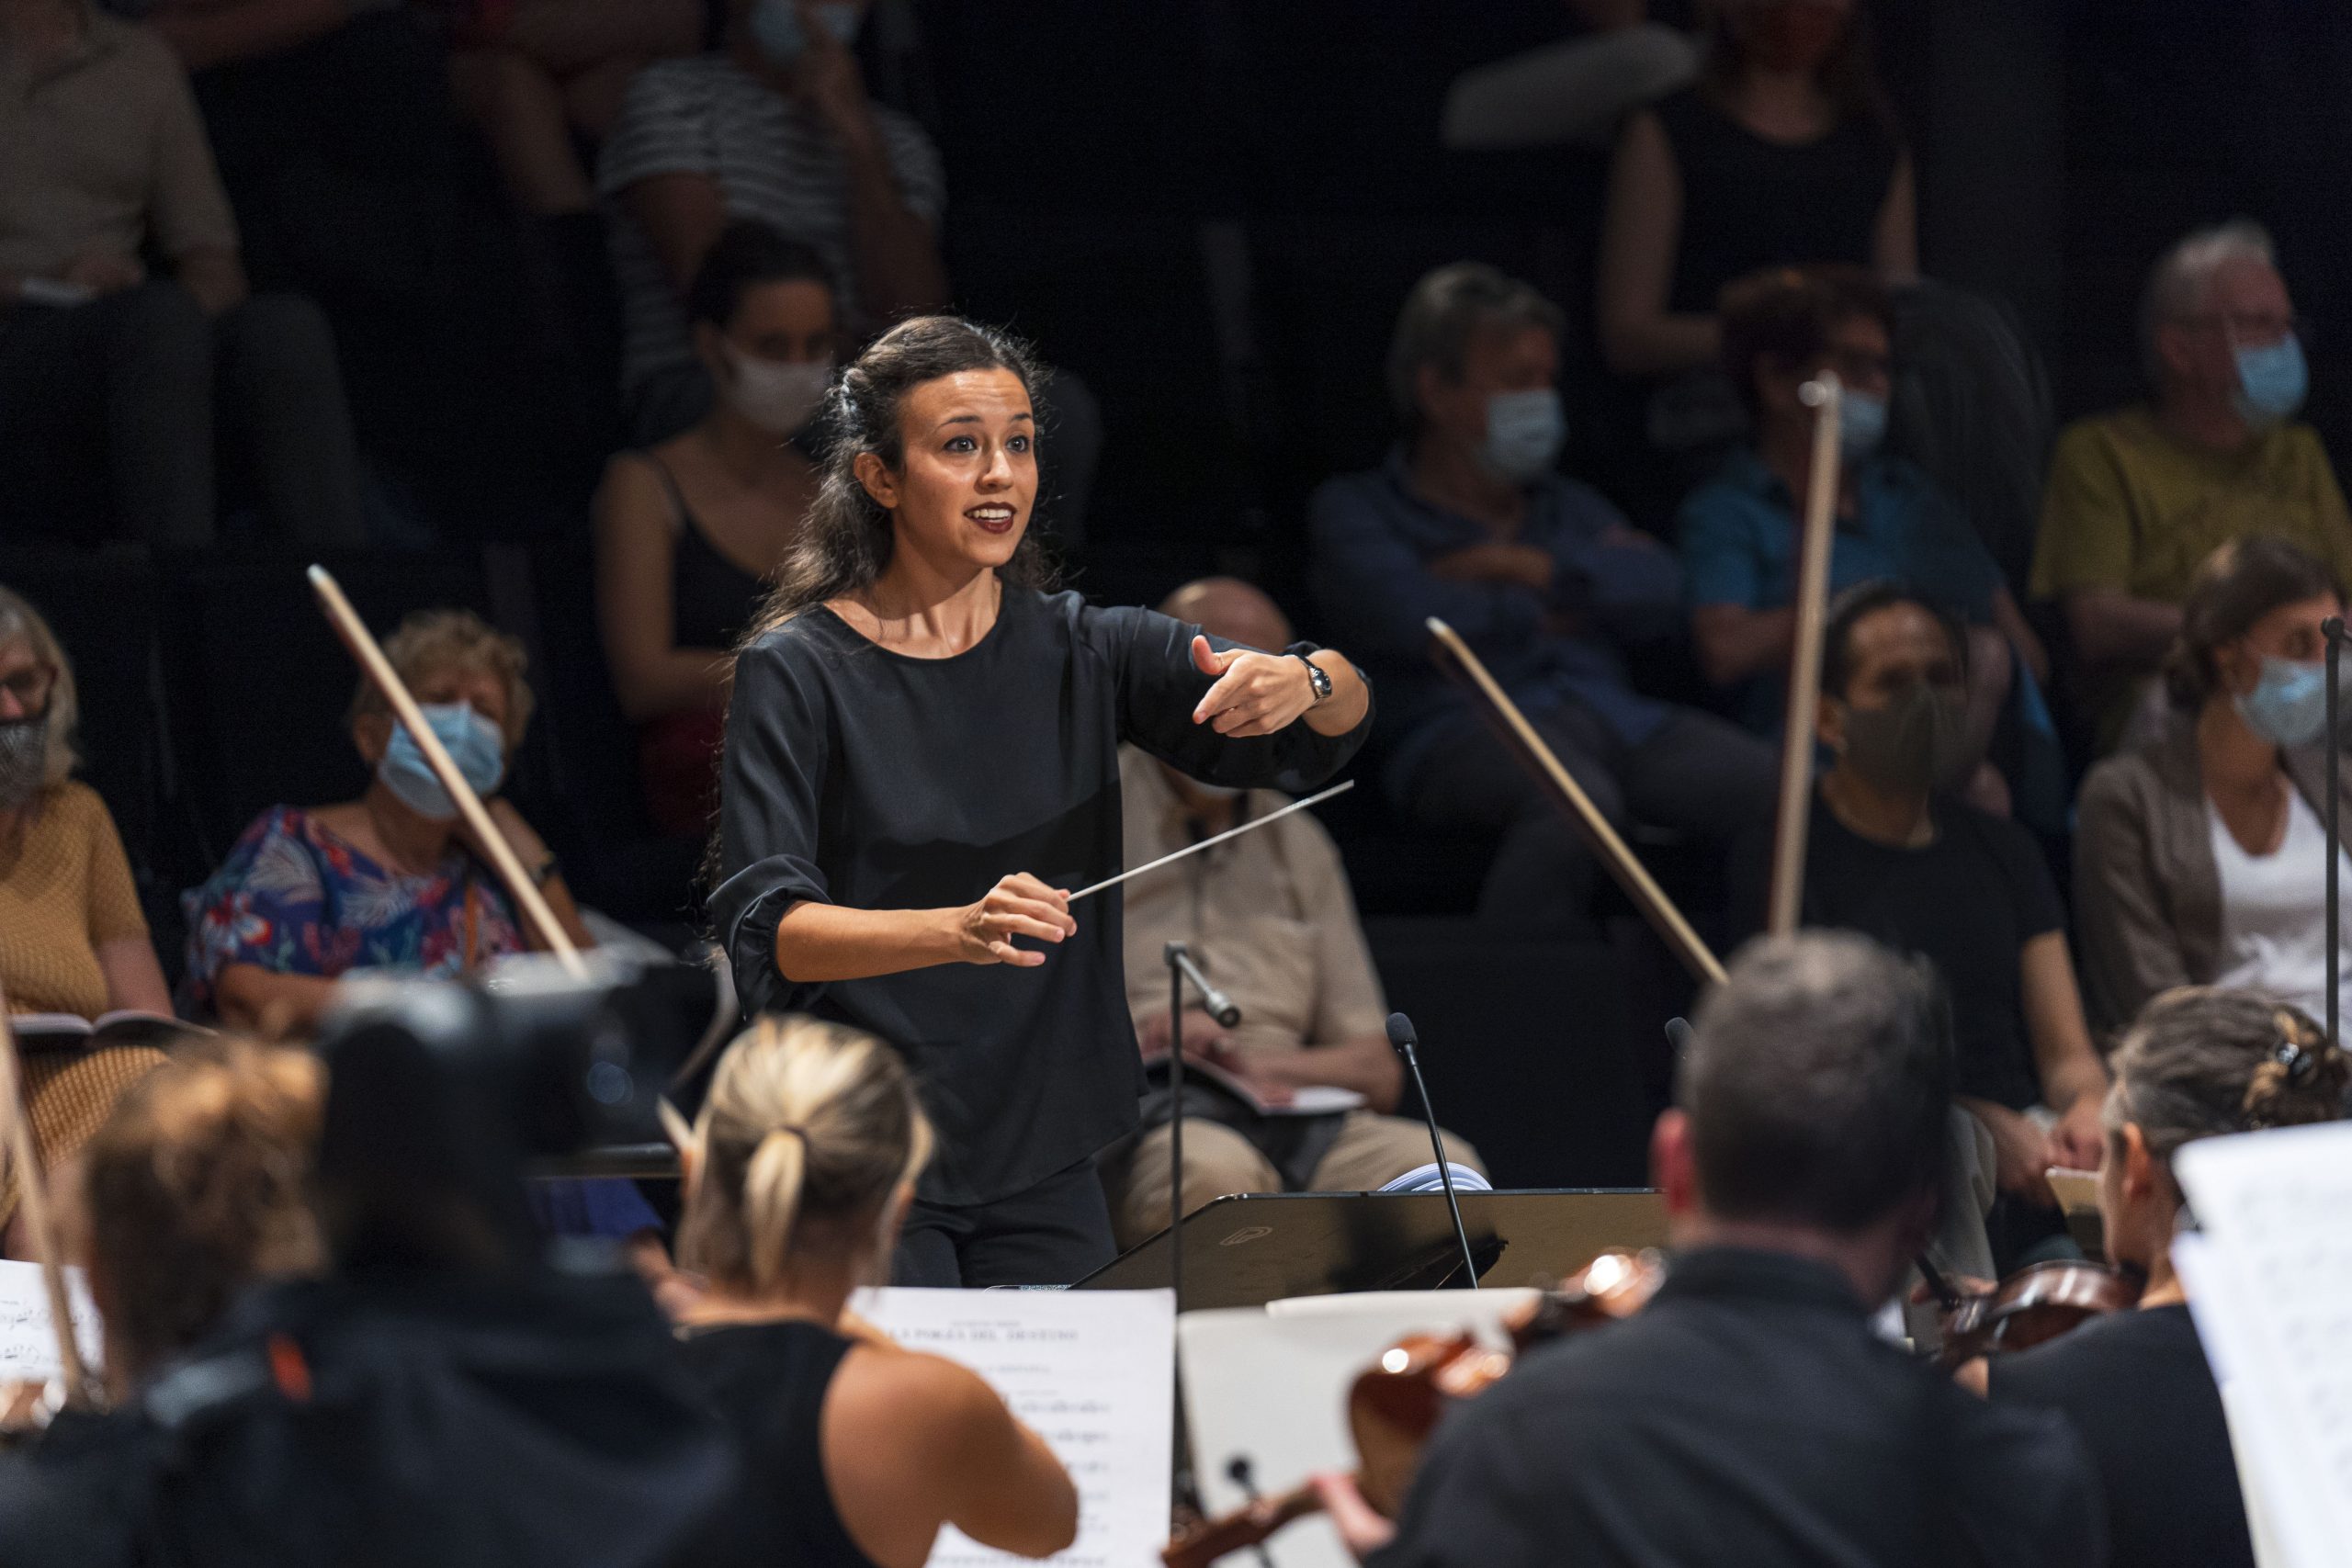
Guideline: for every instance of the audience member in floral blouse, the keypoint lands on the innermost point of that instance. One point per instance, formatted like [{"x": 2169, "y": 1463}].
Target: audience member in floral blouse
[{"x": 391, "y": 880}]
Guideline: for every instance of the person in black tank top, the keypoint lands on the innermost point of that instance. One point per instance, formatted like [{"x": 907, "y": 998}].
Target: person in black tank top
[
  {"x": 676, "y": 587},
  {"x": 2199, "y": 1062},
  {"x": 1784, "y": 155},
  {"x": 851, "y": 1451}
]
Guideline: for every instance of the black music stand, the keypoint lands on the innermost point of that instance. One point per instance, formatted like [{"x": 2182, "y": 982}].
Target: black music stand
[{"x": 1251, "y": 1249}]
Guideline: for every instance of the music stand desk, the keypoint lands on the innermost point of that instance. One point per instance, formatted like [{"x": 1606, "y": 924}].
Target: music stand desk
[{"x": 1249, "y": 1249}]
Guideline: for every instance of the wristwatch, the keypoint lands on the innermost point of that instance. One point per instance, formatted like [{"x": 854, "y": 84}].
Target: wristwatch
[{"x": 1316, "y": 678}]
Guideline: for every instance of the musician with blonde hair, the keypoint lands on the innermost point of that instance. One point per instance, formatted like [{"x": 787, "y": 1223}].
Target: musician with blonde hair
[{"x": 854, "y": 1451}]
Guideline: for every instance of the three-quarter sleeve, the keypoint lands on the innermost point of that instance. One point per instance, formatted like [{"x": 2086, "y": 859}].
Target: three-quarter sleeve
[
  {"x": 770, "y": 792},
  {"x": 1160, "y": 686}
]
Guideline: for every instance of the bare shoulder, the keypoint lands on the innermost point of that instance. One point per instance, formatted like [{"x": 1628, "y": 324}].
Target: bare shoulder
[
  {"x": 632, "y": 489},
  {"x": 916, "y": 1400}
]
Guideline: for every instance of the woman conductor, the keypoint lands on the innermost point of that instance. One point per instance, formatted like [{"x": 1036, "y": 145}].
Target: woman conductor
[{"x": 922, "y": 757}]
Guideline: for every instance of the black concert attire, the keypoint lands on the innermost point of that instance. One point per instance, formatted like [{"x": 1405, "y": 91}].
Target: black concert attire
[
  {"x": 2137, "y": 1387},
  {"x": 768, "y": 1382},
  {"x": 1748, "y": 1417},
  {"x": 1968, "y": 901},
  {"x": 865, "y": 777},
  {"x": 508, "y": 1420},
  {"x": 1749, "y": 202}
]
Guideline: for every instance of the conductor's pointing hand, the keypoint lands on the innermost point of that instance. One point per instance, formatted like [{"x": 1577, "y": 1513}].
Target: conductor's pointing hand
[
  {"x": 1020, "y": 905},
  {"x": 1256, "y": 694}
]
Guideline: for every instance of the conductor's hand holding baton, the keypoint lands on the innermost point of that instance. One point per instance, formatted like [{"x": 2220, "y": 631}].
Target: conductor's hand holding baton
[{"x": 1018, "y": 904}]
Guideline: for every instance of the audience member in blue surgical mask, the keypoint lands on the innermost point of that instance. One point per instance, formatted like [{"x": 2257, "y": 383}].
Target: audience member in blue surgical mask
[
  {"x": 1470, "y": 521},
  {"x": 393, "y": 880},
  {"x": 2138, "y": 497},
  {"x": 1739, "y": 534},
  {"x": 2201, "y": 858},
  {"x": 776, "y": 125},
  {"x": 689, "y": 531}
]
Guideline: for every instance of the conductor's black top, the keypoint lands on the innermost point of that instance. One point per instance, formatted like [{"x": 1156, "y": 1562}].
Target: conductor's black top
[{"x": 864, "y": 777}]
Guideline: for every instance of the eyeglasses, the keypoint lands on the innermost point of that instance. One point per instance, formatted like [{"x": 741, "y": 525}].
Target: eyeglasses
[
  {"x": 2254, "y": 327},
  {"x": 30, "y": 687}
]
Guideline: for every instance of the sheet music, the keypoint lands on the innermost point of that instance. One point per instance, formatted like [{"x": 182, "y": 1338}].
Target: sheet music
[
  {"x": 1092, "y": 1372},
  {"x": 28, "y": 1345},
  {"x": 2270, "y": 1284}
]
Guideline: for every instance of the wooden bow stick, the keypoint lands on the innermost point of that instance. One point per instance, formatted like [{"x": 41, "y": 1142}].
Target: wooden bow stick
[
  {"x": 1454, "y": 655},
  {"x": 32, "y": 1191},
  {"x": 1825, "y": 397},
  {"x": 362, "y": 643}
]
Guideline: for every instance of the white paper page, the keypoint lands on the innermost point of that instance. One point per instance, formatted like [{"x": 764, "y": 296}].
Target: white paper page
[
  {"x": 2270, "y": 1284},
  {"x": 28, "y": 1345},
  {"x": 1091, "y": 1371}
]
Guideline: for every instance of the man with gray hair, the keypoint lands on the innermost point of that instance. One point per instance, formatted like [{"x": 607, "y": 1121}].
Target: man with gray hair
[
  {"x": 1747, "y": 1414},
  {"x": 1470, "y": 520},
  {"x": 2138, "y": 497}
]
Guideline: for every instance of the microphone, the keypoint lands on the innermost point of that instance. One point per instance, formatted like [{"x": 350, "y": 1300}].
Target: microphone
[
  {"x": 1214, "y": 1002},
  {"x": 1402, "y": 1039}
]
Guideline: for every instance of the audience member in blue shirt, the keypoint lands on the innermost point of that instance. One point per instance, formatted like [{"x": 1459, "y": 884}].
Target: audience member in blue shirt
[
  {"x": 1468, "y": 521},
  {"x": 1739, "y": 534}
]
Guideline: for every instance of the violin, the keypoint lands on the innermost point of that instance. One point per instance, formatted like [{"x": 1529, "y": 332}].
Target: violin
[
  {"x": 1396, "y": 1402},
  {"x": 2032, "y": 1306}
]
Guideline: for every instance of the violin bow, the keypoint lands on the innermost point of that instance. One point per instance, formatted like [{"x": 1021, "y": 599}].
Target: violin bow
[
  {"x": 1825, "y": 397},
  {"x": 15, "y": 1125},
  {"x": 1455, "y": 657},
  {"x": 379, "y": 672},
  {"x": 528, "y": 896}
]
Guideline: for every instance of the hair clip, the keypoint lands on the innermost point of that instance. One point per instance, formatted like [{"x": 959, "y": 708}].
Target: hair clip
[{"x": 2299, "y": 1063}]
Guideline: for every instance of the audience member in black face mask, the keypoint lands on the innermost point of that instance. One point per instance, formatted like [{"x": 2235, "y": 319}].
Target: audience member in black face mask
[{"x": 1892, "y": 856}]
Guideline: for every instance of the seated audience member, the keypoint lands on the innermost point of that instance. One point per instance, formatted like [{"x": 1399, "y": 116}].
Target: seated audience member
[
  {"x": 775, "y": 126},
  {"x": 1892, "y": 855},
  {"x": 1749, "y": 1415},
  {"x": 1783, "y": 153},
  {"x": 2200, "y": 857},
  {"x": 1739, "y": 534},
  {"x": 854, "y": 1452},
  {"x": 687, "y": 531},
  {"x": 195, "y": 1189},
  {"x": 1468, "y": 521},
  {"x": 391, "y": 880},
  {"x": 2197, "y": 1063},
  {"x": 2137, "y": 498},
  {"x": 539, "y": 77},
  {"x": 73, "y": 938},
  {"x": 1270, "y": 921},
  {"x": 104, "y": 367}
]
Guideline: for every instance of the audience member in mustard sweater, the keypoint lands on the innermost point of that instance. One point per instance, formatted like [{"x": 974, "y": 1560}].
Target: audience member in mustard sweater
[{"x": 72, "y": 937}]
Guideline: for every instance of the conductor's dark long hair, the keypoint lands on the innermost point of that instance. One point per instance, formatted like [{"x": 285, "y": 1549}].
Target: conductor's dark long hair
[{"x": 846, "y": 541}]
